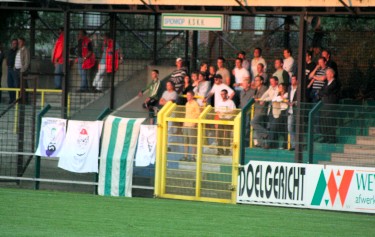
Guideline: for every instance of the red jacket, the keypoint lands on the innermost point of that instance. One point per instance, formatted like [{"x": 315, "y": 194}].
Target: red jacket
[
  {"x": 88, "y": 62},
  {"x": 57, "y": 52},
  {"x": 109, "y": 56}
]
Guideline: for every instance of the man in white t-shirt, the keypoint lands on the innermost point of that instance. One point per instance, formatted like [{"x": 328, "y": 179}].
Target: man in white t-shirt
[
  {"x": 256, "y": 60},
  {"x": 225, "y": 111},
  {"x": 217, "y": 88},
  {"x": 289, "y": 64},
  {"x": 240, "y": 75}
]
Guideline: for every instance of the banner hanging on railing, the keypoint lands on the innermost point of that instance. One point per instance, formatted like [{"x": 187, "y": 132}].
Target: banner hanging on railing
[
  {"x": 328, "y": 187},
  {"x": 52, "y": 136},
  {"x": 80, "y": 151},
  {"x": 146, "y": 149}
]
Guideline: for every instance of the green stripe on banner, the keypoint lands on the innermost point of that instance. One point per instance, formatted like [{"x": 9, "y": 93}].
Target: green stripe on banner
[
  {"x": 111, "y": 150},
  {"x": 124, "y": 155}
]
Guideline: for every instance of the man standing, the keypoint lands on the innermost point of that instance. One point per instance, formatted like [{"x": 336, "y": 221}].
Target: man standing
[
  {"x": 245, "y": 96},
  {"x": 281, "y": 74},
  {"x": 256, "y": 60},
  {"x": 202, "y": 88},
  {"x": 292, "y": 93},
  {"x": 317, "y": 78},
  {"x": 224, "y": 110},
  {"x": 217, "y": 88},
  {"x": 22, "y": 62},
  {"x": 245, "y": 62},
  {"x": 330, "y": 63},
  {"x": 12, "y": 82},
  {"x": 223, "y": 71},
  {"x": 189, "y": 130},
  {"x": 57, "y": 58},
  {"x": 258, "y": 119},
  {"x": 86, "y": 60},
  {"x": 329, "y": 94},
  {"x": 177, "y": 76},
  {"x": 105, "y": 65},
  {"x": 289, "y": 64},
  {"x": 240, "y": 75},
  {"x": 310, "y": 66},
  {"x": 262, "y": 73}
]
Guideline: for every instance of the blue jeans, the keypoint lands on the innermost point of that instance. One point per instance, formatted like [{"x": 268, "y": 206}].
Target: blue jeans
[
  {"x": 13, "y": 82},
  {"x": 292, "y": 129},
  {"x": 58, "y": 78},
  {"x": 83, "y": 74}
]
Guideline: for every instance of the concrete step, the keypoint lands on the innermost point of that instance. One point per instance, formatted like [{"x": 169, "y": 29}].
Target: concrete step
[
  {"x": 366, "y": 140},
  {"x": 371, "y": 131},
  {"x": 359, "y": 149},
  {"x": 215, "y": 168},
  {"x": 353, "y": 159}
]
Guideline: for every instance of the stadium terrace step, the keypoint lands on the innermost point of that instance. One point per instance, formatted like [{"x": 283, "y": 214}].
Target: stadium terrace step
[
  {"x": 359, "y": 149},
  {"x": 355, "y": 160},
  {"x": 215, "y": 159},
  {"x": 366, "y": 140},
  {"x": 205, "y": 167},
  {"x": 371, "y": 131}
]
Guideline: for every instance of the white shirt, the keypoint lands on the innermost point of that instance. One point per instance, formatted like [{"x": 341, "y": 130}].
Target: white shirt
[
  {"x": 254, "y": 65},
  {"x": 289, "y": 66},
  {"x": 216, "y": 89},
  {"x": 291, "y": 97},
  {"x": 225, "y": 108},
  {"x": 202, "y": 90},
  {"x": 17, "y": 63},
  {"x": 240, "y": 75}
]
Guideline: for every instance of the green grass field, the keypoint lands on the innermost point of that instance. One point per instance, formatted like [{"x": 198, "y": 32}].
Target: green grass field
[{"x": 44, "y": 213}]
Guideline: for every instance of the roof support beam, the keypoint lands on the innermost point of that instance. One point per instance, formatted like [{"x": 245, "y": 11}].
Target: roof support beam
[{"x": 350, "y": 9}]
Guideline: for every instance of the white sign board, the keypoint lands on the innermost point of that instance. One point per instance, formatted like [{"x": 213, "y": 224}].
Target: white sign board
[
  {"x": 340, "y": 188},
  {"x": 207, "y": 22}
]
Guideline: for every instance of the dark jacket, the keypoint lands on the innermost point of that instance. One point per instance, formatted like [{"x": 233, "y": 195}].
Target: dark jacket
[{"x": 329, "y": 94}]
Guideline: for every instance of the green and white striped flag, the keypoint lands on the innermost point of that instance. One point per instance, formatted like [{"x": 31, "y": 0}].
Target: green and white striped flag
[{"x": 119, "y": 142}]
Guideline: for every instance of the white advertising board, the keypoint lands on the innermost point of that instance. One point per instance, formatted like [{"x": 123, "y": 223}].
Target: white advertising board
[
  {"x": 328, "y": 187},
  {"x": 173, "y": 21}
]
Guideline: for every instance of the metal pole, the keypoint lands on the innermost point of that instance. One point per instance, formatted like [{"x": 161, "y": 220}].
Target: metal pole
[
  {"x": 194, "y": 53},
  {"x": 112, "y": 81},
  {"x": 245, "y": 110},
  {"x": 37, "y": 158},
  {"x": 155, "y": 50},
  {"x": 301, "y": 89},
  {"x": 65, "y": 81},
  {"x": 34, "y": 16},
  {"x": 310, "y": 131},
  {"x": 187, "y": 49}
]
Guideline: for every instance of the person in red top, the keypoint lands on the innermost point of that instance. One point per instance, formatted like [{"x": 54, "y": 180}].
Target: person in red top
[
  {"x": 86, "y": 59},
  {"x": 106, "y": 62},
  {"x": 57, "y": 58}
]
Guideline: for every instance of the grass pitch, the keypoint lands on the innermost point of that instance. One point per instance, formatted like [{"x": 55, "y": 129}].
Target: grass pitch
[{"x": 43, "y": 213}]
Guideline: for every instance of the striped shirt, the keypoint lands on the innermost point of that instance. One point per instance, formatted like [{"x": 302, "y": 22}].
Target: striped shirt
[
  {"x": 317, "y": 85},
  {"x": 17, "y": 63}
]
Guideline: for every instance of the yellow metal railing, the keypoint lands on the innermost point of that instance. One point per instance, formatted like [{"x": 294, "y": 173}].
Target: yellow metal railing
[
  {"x": 212, "y": 176},
  {"x": 42, "y": 93}
]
